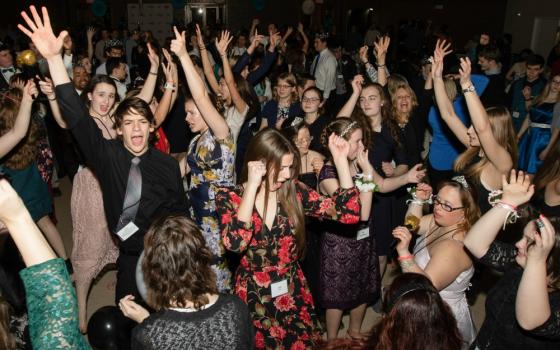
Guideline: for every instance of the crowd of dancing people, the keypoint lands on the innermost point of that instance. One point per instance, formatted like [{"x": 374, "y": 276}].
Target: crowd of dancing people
[{"x": 252, "y": 187}]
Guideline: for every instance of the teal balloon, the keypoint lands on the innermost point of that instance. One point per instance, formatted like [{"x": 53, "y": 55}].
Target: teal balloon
[
  {"x": 178, "y": 4},
  {"x": 99, "y": 8},
  {"x": 259, "y": 5}
]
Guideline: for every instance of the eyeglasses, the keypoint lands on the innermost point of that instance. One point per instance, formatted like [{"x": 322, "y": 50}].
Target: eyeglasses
[
  {"x": 284, "y": 86},
  {"x": 303, "y": 141},
  {"x": 445, "y": 206},
  {"x": 311, "y": 99}
]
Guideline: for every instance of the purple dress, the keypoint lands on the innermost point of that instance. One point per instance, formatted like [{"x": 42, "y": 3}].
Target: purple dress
[{"x": 349, "y": 273}]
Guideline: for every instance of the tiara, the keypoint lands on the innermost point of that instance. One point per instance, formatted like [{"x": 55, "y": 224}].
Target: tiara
[
  {"x": 348, "y": 128},
  {"x": 462, "y": 181}
]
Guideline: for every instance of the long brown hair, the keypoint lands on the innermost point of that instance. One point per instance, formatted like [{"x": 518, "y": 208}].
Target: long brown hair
[
  {"x": 26, "y": 150},
  {"x": 545, "y": 92},
  {"x": 176, "y": 264},
  {"x": 7, "y": 340},
  {"x": 387, "y": 119},
  {"x": 502, "y": 129},
  {"x": 416, "y": 318},
  {"x": 269, "y": 146}
]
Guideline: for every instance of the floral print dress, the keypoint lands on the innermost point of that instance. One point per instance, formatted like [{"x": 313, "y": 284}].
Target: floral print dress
[
  {"x": 287, "y": 321},
  {"x": 211, "y": 162}
]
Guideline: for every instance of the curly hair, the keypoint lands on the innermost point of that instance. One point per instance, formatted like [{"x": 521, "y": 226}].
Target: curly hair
[
  {"x": 26, "y": 150},
  {"x": 176, "y": 264}
]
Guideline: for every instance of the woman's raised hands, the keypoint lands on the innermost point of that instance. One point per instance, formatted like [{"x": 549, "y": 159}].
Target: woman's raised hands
[
  {"x": 178, "y": 45},
  {"x": 41, "y": 33},
  {"x": 223, "y": 43}
]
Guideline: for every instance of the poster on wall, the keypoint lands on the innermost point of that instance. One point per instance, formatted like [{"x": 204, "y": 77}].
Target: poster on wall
[{"x": 157, "y": 18}]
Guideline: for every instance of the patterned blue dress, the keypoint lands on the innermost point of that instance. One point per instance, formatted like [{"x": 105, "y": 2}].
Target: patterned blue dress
[
  {"x": 211, "y": 162},
  {"x": 536, "y": 138}
]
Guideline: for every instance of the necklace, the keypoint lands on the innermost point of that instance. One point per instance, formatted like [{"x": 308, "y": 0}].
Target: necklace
[{"x": 426, "y": 236}]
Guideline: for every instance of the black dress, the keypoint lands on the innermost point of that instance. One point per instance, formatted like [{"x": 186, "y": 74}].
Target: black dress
[
  {"x": 384, "y": 217},
  {"x": 500, "y": 329}
]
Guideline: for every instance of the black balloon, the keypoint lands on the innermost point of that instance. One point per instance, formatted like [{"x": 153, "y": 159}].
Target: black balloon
[{"x": 103, "y": 328}]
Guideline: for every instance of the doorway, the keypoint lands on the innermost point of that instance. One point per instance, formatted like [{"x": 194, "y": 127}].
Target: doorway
[{"x": 205, "y": 14}]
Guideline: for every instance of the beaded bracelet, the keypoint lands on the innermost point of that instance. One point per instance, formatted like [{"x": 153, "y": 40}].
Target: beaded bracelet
[{"x": 406, "y": 257}]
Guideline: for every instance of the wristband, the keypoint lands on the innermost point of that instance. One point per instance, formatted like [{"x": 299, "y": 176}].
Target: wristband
[
  {"x": 380, "y": 65},
  {"x": 51, "y": 99},
  {"x": 406, "y": 257},
  {"x": 152, "y": 73}
]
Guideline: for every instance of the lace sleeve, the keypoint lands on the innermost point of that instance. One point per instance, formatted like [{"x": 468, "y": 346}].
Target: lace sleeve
[
  {"x": 551, "y": 328},
  {"x": 499, "y": 255},
  {"x": 52, "y": 307}
]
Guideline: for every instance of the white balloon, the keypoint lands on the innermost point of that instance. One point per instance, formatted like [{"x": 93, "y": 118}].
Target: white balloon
[{"x": 308, "y": 7}]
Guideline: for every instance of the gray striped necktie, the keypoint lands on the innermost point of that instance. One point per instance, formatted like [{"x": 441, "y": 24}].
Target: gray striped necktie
[{"x": 132, "y": 196}]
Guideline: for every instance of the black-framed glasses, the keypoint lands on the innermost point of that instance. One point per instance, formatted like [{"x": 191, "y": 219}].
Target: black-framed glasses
[{"x": 445, "y": 206}]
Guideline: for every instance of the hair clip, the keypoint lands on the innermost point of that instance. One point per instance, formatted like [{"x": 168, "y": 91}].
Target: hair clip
[
  {"x": 461, "y": 180},
  {"x": 348, "y": 128}
]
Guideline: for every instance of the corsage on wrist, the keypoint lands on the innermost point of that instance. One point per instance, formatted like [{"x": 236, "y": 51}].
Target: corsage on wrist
[
  {"x": 365, "y": 183},
  {"x": 415, "y": 199}
]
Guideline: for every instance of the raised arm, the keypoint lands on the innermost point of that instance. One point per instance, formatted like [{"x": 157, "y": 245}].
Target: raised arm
[
  {"x": 49, "y": 45},
  {"x": 222, "y": 46},
  {"x": 289, "y": 32},
  {"x": 200, "y": 96},
  {"x": 301, "y": 31},
  {"x": 495, "y": 152},
  {"x": 381, "y": 48},
  {"x": 517, "y": 192},
  {"x": 170, "y": 94},
  {"x": 532, "y": 305},
  {"x": 206, "y": 64},
  {"x": 444, "y": 104},
  {"x": 10, "y": 139},
  {"x": 348, "y": 108},
  {"x": 90, "y": 50},
  {"x": 253, "y": 30},
  {"x": 147, "y": 91},
  {"x": 47, "y": 88}
]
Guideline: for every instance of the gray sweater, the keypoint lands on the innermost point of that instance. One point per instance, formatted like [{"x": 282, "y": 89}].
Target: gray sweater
[{"x": 224, "y": 325}]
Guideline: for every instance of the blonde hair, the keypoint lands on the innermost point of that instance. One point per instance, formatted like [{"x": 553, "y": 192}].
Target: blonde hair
[
  {"x": 544, "y": 94},
  {"x": 502, "y": 129},
  {"x": 292, "y": 81},
  {"x": 450, "y": 88},
  {"x": 414, "y": 100}
]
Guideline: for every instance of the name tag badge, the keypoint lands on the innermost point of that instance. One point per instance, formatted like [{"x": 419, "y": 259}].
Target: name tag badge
[
  {"x": 127, "y": 231},
  {"x": 515, "y": 114},
  {"x": 362, "y": 233},
  {"x": 279, "y": 288}
]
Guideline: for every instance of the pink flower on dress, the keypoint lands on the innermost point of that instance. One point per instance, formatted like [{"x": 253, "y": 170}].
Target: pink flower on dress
[
  {"x": 299, "y": 345},
  {"x": 241, "y": 292},
  {"x": 353, "y": 205},
  {"x": 226, "y": 218},
  {"x": 313, "y": 196},
  {"x": 349, "y": 219},
  {"x": 259, "y": 340},
  {"x": 306, "y": 296},
  {"x": 277, "y": 332},
  {"x": 262, "y": 279},
  {"x": 235, "y": 199},
  {"x": 284, "y": 303},
  {"x": 304, "y": 316}
]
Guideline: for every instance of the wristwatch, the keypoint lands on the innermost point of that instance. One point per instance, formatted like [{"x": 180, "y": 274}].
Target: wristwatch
[
  {"x": 469, "y": 89},
  {"x": 169, "y": 86}
]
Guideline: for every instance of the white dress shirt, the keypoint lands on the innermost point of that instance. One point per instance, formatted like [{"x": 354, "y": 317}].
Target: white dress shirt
[{"x": 325, "y": 72}]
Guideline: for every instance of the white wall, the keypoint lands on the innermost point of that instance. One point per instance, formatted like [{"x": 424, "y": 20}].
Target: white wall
[{"x": 521, "y": 16}]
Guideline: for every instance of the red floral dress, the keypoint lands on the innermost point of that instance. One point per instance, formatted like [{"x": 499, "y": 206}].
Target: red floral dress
[{"x": 287, "y": 321}]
